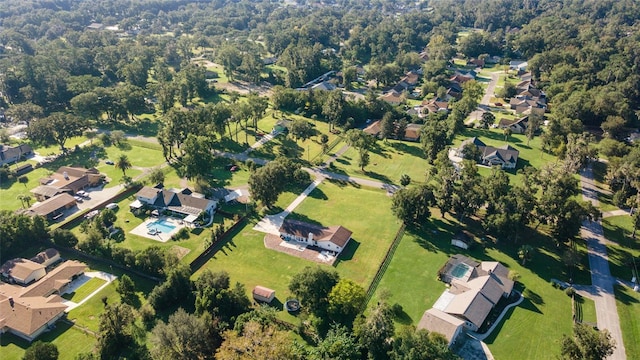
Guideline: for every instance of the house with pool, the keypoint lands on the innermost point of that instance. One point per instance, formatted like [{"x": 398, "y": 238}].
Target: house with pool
[
  {"x": 475, "y": 288},
  {"x": 182, "y": 203}
]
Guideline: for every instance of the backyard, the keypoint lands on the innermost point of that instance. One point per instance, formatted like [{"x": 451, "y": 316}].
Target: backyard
[{"x": 538, "y": 323}]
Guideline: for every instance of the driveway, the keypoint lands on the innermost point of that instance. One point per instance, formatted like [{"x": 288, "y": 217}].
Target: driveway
[{"x": 486, "y": 99}]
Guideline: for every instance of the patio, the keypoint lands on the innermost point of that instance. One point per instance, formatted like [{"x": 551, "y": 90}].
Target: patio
[{"x": 168, "y": 227}]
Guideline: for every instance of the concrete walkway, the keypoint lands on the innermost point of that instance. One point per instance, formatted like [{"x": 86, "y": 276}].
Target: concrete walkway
[
  {"x": 109, "y": 278},
  {"x": 601, "y": 279},
  {"x": 618, "y": 212}
]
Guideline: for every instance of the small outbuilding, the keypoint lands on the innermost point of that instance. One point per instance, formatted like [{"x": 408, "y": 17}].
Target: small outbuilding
[
  {"x": 263, "y": 294},
  {"x": 463, "y": 239}
]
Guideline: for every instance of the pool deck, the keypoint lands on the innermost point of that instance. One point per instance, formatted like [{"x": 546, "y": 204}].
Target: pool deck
[{"x": 142, "y": 230}]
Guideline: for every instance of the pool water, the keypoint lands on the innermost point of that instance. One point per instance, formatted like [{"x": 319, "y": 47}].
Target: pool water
[
  {"x": 460, "y": 270},
  {"x": 161, "y": 225}
]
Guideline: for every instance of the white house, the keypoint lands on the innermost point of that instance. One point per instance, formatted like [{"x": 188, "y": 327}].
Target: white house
[
  {"x": 505, "y": 156},
  {"x": 332, "y": 238}
]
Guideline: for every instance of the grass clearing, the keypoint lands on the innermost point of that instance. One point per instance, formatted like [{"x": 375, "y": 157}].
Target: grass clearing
[
  {"x": 85, "y": 290},
  {"x": 622, "y": 251},
  {"x": 70, "y": 341},
  {"x": 628, "y": 304}
]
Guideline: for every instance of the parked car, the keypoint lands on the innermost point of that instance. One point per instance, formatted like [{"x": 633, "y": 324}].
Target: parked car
[
  {"x": 234, "y": 168},
  {"x": 112, "y": 206},
  {"x": 78, "y": 198},
  {"x": 108, "y": 162}
]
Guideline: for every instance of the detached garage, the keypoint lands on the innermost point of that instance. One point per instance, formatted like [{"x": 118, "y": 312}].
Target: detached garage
[{"x": 263, "y": 294}]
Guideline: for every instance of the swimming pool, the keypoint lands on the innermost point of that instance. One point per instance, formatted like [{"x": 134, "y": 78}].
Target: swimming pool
[
  {"x": 161, "y": 226},
  {"x": 460, "y": 270}
]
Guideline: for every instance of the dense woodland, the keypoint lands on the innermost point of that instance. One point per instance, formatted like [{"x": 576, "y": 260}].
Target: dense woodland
[{"x": 62, "y": 79}]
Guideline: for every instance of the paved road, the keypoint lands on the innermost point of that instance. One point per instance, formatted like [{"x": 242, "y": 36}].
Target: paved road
[
  {"x": 601, "y": 280},
  {"x": 486, "y": 99}
]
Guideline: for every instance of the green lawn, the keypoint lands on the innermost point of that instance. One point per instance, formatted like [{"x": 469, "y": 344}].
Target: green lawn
[
  {"x": 628, "y": 304},
  {"x": 532, "y": 330},
  {"x": 604, "y": 195},
  {"x": 363, "y": 211},
  {"x": 618, "y": 229},
  {"x": 85, "y": 290},
  {"x": 388, "y": 161},
  {"x": 70, "y": 342},
  {"x": 9, "y": 191}
]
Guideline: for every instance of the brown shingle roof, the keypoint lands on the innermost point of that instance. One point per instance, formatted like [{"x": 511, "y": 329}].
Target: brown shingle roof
[
  {"x": 55, "y": 279},
  {"x": 28, "y": 314},
  {"x": 55, "y": 203},
  {"x": 44, "y": 256},
  {"x": 337, "y": 235},
  {"x": 438, "y": 321},
  {"x": 20, "y": 268},
  {"x": 263, "y": 291},
  {"x": 472, "y": 305}
]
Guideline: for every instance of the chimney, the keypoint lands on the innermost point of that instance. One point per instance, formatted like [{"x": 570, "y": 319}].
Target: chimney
[
  {"x": 66, "y": 175},
  {"x": 310, "y": 238},
  {"x": 11, "y": 301}
]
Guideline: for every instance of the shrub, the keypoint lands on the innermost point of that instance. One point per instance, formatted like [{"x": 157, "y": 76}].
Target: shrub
[
  {"x": 570, "y": 291},
  {"x": 63, "y": 237}
]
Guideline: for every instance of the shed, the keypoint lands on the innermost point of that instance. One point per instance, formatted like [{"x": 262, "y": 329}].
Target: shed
[{"x": 263, "y": 294}]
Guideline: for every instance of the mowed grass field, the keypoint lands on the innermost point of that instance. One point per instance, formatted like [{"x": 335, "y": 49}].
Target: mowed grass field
[
  {"x": 364, "y": 211},
  {"x": 622, "y": 247},
  {"x": 532, "y": 330},
  {"x": 387, "y": 162},
  {"x": 628, "y": 304},
  {"x": 70, "y": 342}
]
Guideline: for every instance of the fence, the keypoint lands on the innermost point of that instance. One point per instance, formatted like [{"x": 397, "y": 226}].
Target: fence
[
  {"x": 383, "y": 266},
  {"x": 330, "y": 147},
  {"x": 198, "y": 262}
]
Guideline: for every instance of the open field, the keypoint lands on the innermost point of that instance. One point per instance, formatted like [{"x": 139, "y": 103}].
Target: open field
[
  {"x": 9, "y": 191},
  {"x": 388, "y": 161},
  {"x": 628, "y": 304},
  {"x": 537, "y": 323},
  {"x": 70, "y": 342}
]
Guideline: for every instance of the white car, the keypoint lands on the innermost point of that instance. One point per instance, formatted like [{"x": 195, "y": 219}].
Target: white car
[
  {"x": 78, "y": 198},
  {"x": 112, "y": 206}
]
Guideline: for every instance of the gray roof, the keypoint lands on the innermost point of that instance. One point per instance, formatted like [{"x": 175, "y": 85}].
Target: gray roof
[{"x": 440, "y": 322}]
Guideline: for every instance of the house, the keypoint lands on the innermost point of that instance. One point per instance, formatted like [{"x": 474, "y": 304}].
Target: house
[
  {"x": 412, "y": 132},
  {"x": 392, "y": 98},
  {"x": 269, "y": 60},
  {"x": 373, "y": 129},
  {"x": 475, "y": 289},
  {"x": 505, "y": 156},
  {"x": 52, "y": 208},
  {"x": 325, "y": 85},
  {"x": 476, "y": 62},
  {"x": 524, "y": 105},
  {"x": 47, "y": 257},
  {"x": 434, "y": 320},
  {"x": 519, "y": 65},
  {"x": 68, "y": 180},
  {"x": 518, "y": 126},
  {"x": 29, "y": 311},
  {"x": 435, "y": 105},
  {"x": 95, "y": 26},
  {"x": 22, "y": 271},
  {"x": 181, "y": 202},
  {"x": 263, "y": 294},
  {"x": 12, "y": 154},
  {"x": 332, "y": 238}
]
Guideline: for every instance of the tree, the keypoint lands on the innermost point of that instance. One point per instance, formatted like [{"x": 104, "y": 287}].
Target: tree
[
  {"x": 127, "y": 289},
  {"x": 614, "y": 128},
  {"x": 176, "y": 289},
  {"x": 338, "y": 344},
  {"x": 312, "y": 287},
  {"x": 411, "y": 344},
  {"x": 363, "y": 159},
  {"x": 487, "y": 119},
  {"x": 411, "y": 205},
  {"x": 405, "y": 179},
  {"x": 114, "y": 334},
  {"x": 56, "y": 128},
  {"x": 25, "y": 112},
  {"x": 587, "y": 343},
  {"x": 41, "y": 351},
  {"x": 185, "y": 336},
  {"x": 117, "y": 137},
  {"x": 324, "y": 140},
  {"x": 433, "y": 138},
  {"x": 156, "y": 176},
  {"x": 506, "y": 132},
  {"x": 508, "y": 91},
  {"x": 198, "y": 157},
  {"x": 333, "y": 108},
  {"x": 300, "y": 129},
  {"x": 266, "y": 183},
  {"x": 64, "y": 237},
  {"x": 387, "y": 126},
  {"x": 256, "y": 342},
  {"x": 533, "y": 125},
  {"x": 213, "y": 294},
  {"x": 525, "y": 252},
  {"x": 345, "y": 301},
  {"x": 123, "y": 163},
  {"x": 444, "y": 179},
  {"x": 375, "y": 332}
]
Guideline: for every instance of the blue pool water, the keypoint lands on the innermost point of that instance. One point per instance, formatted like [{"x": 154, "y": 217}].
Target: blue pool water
[
  {"x": 161, "y": 225},
  {"x": 460, "y": 270}
]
